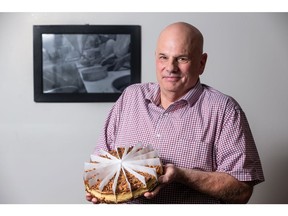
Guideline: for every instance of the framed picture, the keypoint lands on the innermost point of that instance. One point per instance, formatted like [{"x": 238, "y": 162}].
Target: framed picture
[{"x": 85, "y": 63}]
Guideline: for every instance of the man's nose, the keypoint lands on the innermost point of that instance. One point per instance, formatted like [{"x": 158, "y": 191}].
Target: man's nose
[{"x": 172, "y": 65}]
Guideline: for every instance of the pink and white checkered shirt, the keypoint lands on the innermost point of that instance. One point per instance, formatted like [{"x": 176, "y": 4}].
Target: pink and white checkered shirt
[{"x": 204, "y": 130}]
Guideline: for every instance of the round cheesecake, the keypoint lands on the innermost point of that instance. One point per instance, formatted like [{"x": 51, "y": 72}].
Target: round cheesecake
[{"x": 122, "y": 174}]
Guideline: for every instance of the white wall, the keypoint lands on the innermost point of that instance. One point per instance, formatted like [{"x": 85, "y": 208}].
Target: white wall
[{"x": 43, "y": 146}]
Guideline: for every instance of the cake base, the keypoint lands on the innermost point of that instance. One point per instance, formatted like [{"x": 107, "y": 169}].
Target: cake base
[{"x": 121, "y": 197}]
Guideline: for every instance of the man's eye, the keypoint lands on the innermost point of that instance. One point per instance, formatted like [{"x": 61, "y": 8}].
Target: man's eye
[
  {"x": 163, "y": 58},
  {"x": 182, "y": 60}
]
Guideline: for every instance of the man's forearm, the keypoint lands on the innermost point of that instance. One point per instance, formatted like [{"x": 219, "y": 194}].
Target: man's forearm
[{"x": 222, "y": 186}]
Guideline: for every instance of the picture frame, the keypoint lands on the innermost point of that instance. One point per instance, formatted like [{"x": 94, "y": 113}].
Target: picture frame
[{"x": 85, "y": 63}]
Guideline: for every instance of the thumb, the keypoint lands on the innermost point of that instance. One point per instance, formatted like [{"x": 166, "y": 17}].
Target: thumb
[
  {"x": 163, "y": 179},
  {"x": 169, "y": 174}
]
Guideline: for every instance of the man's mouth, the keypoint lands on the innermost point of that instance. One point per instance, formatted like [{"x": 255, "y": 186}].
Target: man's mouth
[{"x": 172, "y": 77}]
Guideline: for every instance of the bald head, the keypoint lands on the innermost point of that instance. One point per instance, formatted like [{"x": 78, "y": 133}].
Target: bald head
[
  {"x": 179, "y": 60},
  {"x": 183, "y": 33}
]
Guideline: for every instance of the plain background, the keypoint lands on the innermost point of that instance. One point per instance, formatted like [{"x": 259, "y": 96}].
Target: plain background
[{"x": 43, "y": 146}]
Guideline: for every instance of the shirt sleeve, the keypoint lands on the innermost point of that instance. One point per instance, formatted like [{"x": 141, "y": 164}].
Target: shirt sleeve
[
  {"x": 236, "y": 152},
  {"x": 108, "y": 134}
]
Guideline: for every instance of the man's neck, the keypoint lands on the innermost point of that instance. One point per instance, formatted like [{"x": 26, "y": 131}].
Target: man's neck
[{"x": 167, "y": 99}]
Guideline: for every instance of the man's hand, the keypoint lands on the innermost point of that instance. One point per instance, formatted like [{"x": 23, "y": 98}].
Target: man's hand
[
  {"x": 92, "y": 199},
  {"x": 169, "y": 175}
]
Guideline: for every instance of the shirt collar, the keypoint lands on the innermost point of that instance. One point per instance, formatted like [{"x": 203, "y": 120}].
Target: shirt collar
[
  {"x": 191, "y": 96},
  {"x": 154, "y": 95}
]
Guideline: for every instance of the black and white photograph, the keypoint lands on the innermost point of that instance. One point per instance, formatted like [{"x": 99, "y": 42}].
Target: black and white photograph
[{"x": 80, "y": 63}]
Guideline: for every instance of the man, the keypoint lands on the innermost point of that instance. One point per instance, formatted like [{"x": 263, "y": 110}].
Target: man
[{"x": 202, "y": 136}]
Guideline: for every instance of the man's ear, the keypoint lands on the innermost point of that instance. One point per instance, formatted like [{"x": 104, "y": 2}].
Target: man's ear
[{"x": 203, "y": 62}]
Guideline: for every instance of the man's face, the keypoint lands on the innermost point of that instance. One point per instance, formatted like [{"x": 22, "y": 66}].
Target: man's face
[{"x": 178, "y": 64}]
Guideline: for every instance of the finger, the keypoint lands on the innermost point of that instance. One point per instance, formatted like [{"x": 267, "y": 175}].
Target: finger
[
  {"x": 88, "y": 197},
  {"x": 152, "y": 194},
  {"x": 149, "y": 195},
  {"x": 94, "y": 200}
]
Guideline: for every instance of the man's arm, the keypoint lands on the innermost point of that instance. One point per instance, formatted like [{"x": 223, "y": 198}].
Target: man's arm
[{"x": 222, "y": 186}]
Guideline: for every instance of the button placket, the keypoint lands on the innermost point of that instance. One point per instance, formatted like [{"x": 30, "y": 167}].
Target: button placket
[{"x": 160, "y": 124}]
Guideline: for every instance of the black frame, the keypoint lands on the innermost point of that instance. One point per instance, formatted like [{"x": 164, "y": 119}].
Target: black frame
[{"x": 81, "y": 31}]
